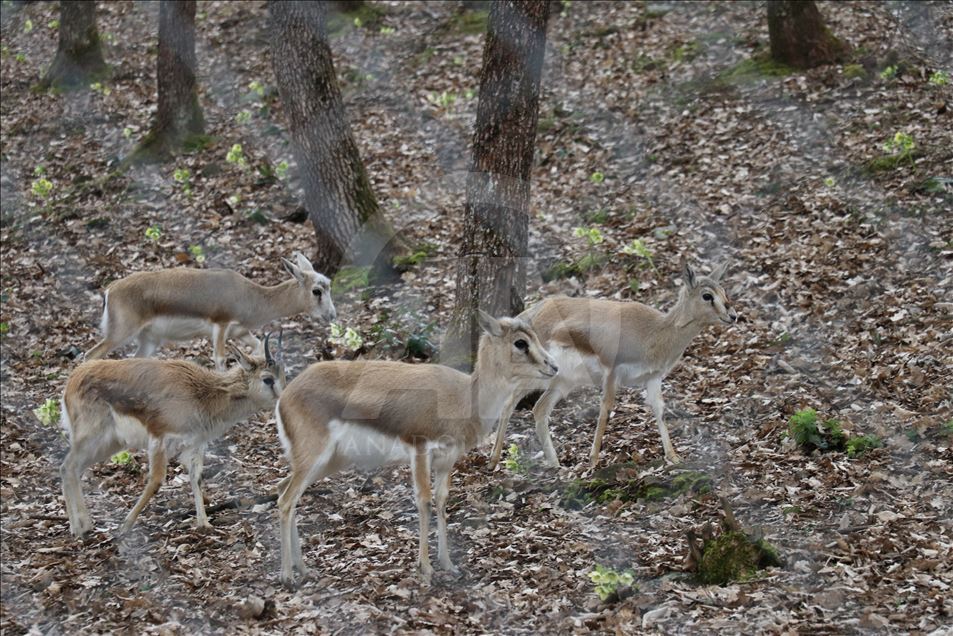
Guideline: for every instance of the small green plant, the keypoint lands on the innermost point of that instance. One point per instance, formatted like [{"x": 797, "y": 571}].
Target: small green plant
[
  {"x": 802, "y": 427},
  {"x": 127, "y": 132},
  {"x": 939, "y": 78},
  {"x": 901, "y": 144},
  {"x": 197, "y": 253},
  {"x": 830, "y": 182},
  {"x": 4, "y": 328},
  {"x": 20, "y": 57},
  {"x": 281, "y": 169},
  {"x": 358, "y": 23},
  {"x": 234, "y": 200},
  {"x": 597, "y": 177},
  {"x": 445, "y": 99},
  {"x": 42, "y": 188},
  {"x": 592, "y": 234},
  {"x": 888, "y": 73},
  {"x": 122, "y": 458},
  {"x": 48, "y": 413},
  {"x": 39, "y": 171},
  {"x": 257, "y": 88},
  {"x": 102, "y": 89},
  {"x": 183, "y": 176},
  {"x": 513, "y": 459},
  {"x": 348, "y": 337},
  {"x": 243, "y": 117},
  {"x": 153, "y": 233},
  {"x": 861, "y": 444},
  {"x": 53, "y": 24},
  {"x": 27, "y": 25},
  {"x": 386, "y": 30},
  {"x": 349, "y": 278},
  {"x": 608, "y": 582},
  {"x": 638, "y": 248},
  {"x": 853, "y": 71},
  {"x": 947, "y": 427},
  {"x": 237, "y": 156}
]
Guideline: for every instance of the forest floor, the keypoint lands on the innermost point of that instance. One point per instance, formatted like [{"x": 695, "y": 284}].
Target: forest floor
[{"x": 655, "y": 125}]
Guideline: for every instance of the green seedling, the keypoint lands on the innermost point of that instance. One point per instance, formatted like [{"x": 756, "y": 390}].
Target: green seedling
[
  {"x": 20, "y": 57},
  {"x": 53, "y": 25},
  {"x": 237, "y": 156},
  {"x": 4, "y": 328},
  {"x": 947, "y": 427},
  {"x": 445, "y": 99},
  {"x": 888, "y": 73},
  {"x": 153, "y": 233},
  {"x": 859, "y": 445},
  {"x": 597, "y": 177},
  {"x": 592, "y": 234},
  {"x": 39, "y": 171},
  {"x": 42, "y": 188},
  {"x": 182, "y": 176},
  {"x": 608, "y": 582},
  {"x": 127, "y": 132},
  {"x": 197, "y": 253},
  {"x": 513, "y": 461},
  {"x": 122, "y": 458},
  {"x": 348, "y": 337},
  {"x": 27, "y": 25},
  {"x": 99, "y": 87},
  {"x": 358, "y": 23},
  {"x": 830, "y": 182},
  {"x": 939, "y": 78},
  {"x": 386, "y": 30},
  {"x": 638, "y": 248},
  {"x": 48, "y": 413},
  {"x": 257, "y": 88},
  {"x": 281, "y": 170},
  {"x": 243, "y": 117}
]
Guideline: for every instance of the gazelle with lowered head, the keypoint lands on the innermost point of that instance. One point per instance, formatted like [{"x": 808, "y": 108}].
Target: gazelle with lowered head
[
  {"x": 616, "y": 344},
  {"x": 170, "y": 407},
  {"x": 183, "y": 303},
  {"x": 366, "y": 414}
]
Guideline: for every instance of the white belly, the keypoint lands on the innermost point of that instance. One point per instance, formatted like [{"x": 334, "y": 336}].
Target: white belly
[
  {"x": 130, "y": 431},
  {"x": 366, "y": 448},
  {"x": 168, "y": 328}
]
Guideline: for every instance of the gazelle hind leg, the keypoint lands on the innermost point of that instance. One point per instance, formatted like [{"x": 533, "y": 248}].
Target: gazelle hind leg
[
  {"x": 157, "y": 469},
  {"x": 442, "y": 467},
  {"x": 608, "y": 403},
  {"x": 420, "y": 471},
  {"x": 83, "y": 453},
  {"x": 541, "y": 411},
  {"x": 290, "y": 490},
  {"x": 508, "y": 409}
]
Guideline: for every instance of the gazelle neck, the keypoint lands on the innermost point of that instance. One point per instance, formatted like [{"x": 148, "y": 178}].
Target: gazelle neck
[
  {"x": 681, "y": 325},
  {"x": 489, "y": 393},
  {"x": 275, "y": 301}
]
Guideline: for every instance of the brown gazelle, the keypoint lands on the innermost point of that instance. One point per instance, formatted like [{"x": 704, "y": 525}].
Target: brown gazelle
[
  {"x": 183, "y": 303},
  {"x": 616, "y": 344},
  {"x": 337, "y": 415},
  {"x": 170, "y": 407}
]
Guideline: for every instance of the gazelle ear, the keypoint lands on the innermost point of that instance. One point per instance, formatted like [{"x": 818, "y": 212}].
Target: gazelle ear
[
  {"x": 303, "y": 263},
  {"x": 719, "y": 272},
  {"x": 489, "y": 324},
  {"x": 688, "y": 274},
  {"x": 292, "y": 269},
  {"x": 241, "y": 357}
]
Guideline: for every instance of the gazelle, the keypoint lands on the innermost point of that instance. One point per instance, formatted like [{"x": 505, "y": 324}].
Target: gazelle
[
  {"x": 367, "y": 414},
  {"x": 182, "y": 303},
  {"x": 616, "y": 344},
  {"x": 170, "y": 407}
]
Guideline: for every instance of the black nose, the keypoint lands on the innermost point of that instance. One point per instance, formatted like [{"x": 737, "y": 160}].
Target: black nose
[{"x": 554, "y": 368}]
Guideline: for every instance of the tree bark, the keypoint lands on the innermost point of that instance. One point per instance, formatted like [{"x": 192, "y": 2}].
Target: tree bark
[
  {"x": 179, "y": 119},
  {"x": 799, "y": 37},
  {"x": 79, "y": 56},
  {"x": 348, "y": 223},
  {"x": 491, "y": 274}
]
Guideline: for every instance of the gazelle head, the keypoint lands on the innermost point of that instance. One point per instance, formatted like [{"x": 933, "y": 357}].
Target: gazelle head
[
  {"x": 512, "y": 349},
  {"x": 315, "y": 288},
  {"x": 706, "y": 297},
  {"x": 265, "y": 376}
]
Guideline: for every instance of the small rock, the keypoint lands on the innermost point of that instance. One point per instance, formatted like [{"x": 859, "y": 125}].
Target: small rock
[{"x": 251, "y": 607}]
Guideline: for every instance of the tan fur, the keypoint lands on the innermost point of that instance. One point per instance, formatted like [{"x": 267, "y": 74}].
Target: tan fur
[
  {"x": 423, "y": 414},
  {"x": 610, "y": 344},
  {"x": 170, "y": 407},
  {"x": 181, "y": 303}
]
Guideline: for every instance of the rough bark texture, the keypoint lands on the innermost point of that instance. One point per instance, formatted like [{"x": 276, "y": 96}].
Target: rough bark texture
[
  {"x": 79, "y": 56},
  {"x": 492, "y": 274},
  {"x": 338, "y": 196},
  {"x": 178, "y": 117},
  {"x": 799, "y": 37}
]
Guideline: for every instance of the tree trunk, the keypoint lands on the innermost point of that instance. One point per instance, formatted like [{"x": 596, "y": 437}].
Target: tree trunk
[
  {"x": 799, "y": 37},
  {"x": 491, "y": 274},
  {"x": 179, "y": 120},
  {"x": 79, "y": 56},
  {"x": 338, "y": 196}
]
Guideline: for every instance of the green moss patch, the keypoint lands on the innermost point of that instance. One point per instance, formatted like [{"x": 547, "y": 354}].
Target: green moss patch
[
  {"x": 754, "y": 68},
  {"x": 621, "y": 482},
  {"x": 733, "y": 556}
]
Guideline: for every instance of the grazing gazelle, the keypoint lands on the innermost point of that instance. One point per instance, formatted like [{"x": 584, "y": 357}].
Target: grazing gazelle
[
  {"x": 616, "y": 344},
  {"x": 367, "y": 414},
  {"x": 170, "y": 407},
  {"x": 182, "y": 303}
]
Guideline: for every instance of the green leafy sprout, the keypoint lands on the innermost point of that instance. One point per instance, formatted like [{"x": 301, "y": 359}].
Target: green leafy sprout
[
  {"x": 53, "y": 24},
  {"x": 513, "y": 461},
  {"x": 346, "y": 336},
  {"x": 939, "y": 78},
  {"x": 127, "y": 132},
  {"x": 42, "y": 188},
  {"x": 358, "y": 23},
  {"x": 607, "y": 581},
  {"x": 591, "y": 234},
  {"x": 122, "y": 458},
  {"x": 236, "y": 155},
  {"x": 183, "y": 176},
  {"x": 4, "y": 328},
  {"x": 20, "y": 57},
  {"x": 901, "y": 146},
  {"x": 445, "y": 99},
  {"x": 99, "y": 87},
  {"x": 888, "y": 73},
  {"x": 39, "y": 171},
  {"x": 153, "y": 233},
  {"x": 597, "y": 177},
  {"x": 257, "y": 87},
  {"x": 861, "y": 444},
  {"x": 197, "y": 253},
  {"x": 27, "y": 25},
  {"x": 386, "y": 30},
  {"x": 48, "y": 413},
  {"x": 638, "y": 248},
  {"x": 830, "y": 182},
  {"x": 281, "y": 169},
  {"x": 243, "y": 117}
]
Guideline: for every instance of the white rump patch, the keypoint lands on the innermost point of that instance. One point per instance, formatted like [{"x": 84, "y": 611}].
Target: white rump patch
[
  {"x": 104, "y": 321},
  {"x": 65, "y": 422}
]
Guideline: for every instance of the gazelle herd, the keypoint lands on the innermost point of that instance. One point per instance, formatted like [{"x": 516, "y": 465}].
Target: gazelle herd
[{"x": 351, "y": 414}]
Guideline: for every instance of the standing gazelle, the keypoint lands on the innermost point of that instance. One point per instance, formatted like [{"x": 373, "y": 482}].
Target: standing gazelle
[
  {"x": 616, "y": 344},
  {"x": 367, "y": 414},
  {"x": 183, "y": 303},
  {"x": 171, "y": 407}
]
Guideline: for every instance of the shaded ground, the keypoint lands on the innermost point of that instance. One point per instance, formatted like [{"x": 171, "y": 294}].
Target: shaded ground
[{"x": 842, "y": 274}]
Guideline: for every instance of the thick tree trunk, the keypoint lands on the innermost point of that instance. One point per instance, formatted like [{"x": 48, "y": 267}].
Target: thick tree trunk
[
  {"x": 491, "y": 274},
  {"x": 79, "y": 56},
  {"x": 179, "y": 118},
  {"x": 338, "y": 196},
  {"x": 799, "y": 37}
]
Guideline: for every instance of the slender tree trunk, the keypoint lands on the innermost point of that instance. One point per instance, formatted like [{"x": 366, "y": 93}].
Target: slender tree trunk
[
  {"x": 491, "y": 274},
  {"x": 79, "y": 56},
  {"x": 799, "y": 37},
  {"x": 179, "y": 119},
  {"x": 347, "y": 220}
]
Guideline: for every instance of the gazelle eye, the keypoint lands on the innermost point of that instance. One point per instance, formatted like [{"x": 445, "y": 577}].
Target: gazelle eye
[
  {"x": 317, "y": 292},
  {"x": 269, "y": 381},
  {"x": 707, "y": 297},
  {"x": 522, "y": 345}
]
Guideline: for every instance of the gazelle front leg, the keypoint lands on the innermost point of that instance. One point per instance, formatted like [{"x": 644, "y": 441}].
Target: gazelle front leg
[
  {"x": 420, "y": 469},
  {"x": 608, "y": 403},
  {"x": 195, "y": 461},
  {"x": 653, "y": 395},
  {"x": 218, "y": 345},
  {"x": 443, "y": 466},
  {"x": 508, "y": 409}
]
